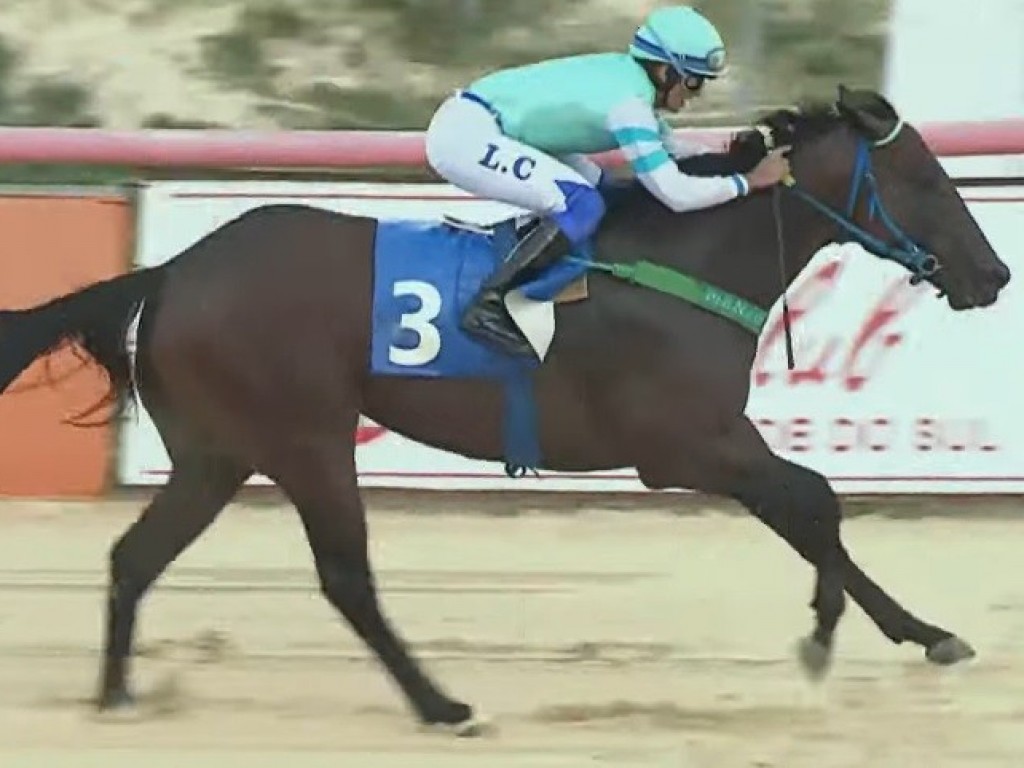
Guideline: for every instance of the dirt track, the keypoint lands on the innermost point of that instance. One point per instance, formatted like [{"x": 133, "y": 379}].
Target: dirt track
[{"x": 599, "y": 639}]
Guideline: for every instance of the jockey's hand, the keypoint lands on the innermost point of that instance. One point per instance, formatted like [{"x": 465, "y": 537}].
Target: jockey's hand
[{"x": 772, "y": 169}]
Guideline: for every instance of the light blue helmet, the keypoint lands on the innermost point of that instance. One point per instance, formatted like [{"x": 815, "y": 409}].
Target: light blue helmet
[{"x": 682, "y": 37}]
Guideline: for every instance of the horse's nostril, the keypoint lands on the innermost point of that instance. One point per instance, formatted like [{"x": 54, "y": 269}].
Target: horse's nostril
[{"x": 1003, "y": 274}]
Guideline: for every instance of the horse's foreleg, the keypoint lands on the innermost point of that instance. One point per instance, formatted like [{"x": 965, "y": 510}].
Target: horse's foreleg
[
  {"x": 899, "y": 625},
  {"x": 799, "y": 505},
  {"x": 793, "y": 501}
]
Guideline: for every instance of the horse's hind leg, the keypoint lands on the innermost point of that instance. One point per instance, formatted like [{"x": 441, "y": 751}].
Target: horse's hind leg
[
  {"x": 319, "y": 477},
  {"x": 198, "y": 489}
]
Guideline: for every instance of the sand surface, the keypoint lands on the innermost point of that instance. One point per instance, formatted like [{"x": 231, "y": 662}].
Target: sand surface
[{"x": 596, "y": 639}]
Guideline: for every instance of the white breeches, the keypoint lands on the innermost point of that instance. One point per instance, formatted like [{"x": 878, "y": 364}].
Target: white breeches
[{"x": 465, "y": 145}]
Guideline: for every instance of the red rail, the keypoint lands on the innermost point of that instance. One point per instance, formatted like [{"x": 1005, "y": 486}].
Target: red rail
[{"x": 352, "y": 149}]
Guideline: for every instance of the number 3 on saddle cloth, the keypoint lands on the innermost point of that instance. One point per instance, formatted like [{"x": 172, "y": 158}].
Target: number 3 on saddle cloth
[{"x": 425, "y": 275}]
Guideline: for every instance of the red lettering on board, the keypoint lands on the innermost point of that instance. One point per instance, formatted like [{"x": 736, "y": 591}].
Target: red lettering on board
[{"x": 851, "y": 361}]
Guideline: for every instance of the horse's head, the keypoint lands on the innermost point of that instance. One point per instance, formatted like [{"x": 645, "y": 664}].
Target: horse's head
[{"x": 887, "y": 191}]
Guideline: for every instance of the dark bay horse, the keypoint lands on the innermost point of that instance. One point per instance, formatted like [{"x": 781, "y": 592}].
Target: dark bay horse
[{"x": 253, "y": 347}]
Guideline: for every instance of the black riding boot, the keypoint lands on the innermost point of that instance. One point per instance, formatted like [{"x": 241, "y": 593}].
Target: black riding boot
[{"x": 487, "y": 318}]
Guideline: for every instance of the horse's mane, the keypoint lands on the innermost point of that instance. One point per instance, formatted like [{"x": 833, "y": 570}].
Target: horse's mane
[
  {"x": 865, "y": 111},
  {"x": 786, "y": 125},
  {"x": 804, "y": 122}
]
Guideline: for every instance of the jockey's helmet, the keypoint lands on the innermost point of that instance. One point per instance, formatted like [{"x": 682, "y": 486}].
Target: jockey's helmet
[{"x": 682, "y": 37}]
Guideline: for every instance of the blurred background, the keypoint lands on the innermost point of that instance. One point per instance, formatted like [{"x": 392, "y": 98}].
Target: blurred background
[
  {"x": 381, "y": 63},
  {"x": 386, "y": 64}
]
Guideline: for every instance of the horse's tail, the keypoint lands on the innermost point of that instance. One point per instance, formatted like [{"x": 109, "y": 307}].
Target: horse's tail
[{"x": 95, "y": 320}]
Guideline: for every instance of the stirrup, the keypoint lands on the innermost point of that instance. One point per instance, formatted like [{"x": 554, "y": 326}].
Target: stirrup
[
  {"x": 490, "y": 323},
  {"x": 533, "y": 250}
]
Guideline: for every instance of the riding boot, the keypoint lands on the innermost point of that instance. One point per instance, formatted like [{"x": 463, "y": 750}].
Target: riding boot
[{"x": 486, "y": 317}]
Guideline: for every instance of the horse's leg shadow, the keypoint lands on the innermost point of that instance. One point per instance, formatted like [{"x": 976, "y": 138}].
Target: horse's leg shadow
[{"x": 320, "y": 478}]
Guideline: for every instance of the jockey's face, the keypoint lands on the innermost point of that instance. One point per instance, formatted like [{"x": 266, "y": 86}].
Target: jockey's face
[{"x": 673, "y": 99}]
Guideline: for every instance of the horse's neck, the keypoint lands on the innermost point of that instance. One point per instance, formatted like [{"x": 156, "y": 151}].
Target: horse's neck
[
  {"x": 784, "y": 244},
  {"x": 734, "y": 246}
]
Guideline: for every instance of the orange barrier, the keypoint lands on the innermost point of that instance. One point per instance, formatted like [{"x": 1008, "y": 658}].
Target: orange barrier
[{"x": 50, "y": 245}]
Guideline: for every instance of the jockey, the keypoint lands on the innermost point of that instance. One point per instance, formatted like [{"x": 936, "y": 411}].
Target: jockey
[{"x": 520, "y": 136}]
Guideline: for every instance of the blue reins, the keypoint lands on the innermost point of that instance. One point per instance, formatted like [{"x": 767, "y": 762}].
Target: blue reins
[{"x": 906, "y": 252}]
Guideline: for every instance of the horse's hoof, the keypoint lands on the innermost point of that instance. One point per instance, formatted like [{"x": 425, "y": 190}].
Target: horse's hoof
[
  {"x": 468, "y": 725},
  {"x": 950, "y": 651},
  {"x": 473, "y": 728},
  {"x": 815, "y": 657},
  {"x": 117, "y": 707}
]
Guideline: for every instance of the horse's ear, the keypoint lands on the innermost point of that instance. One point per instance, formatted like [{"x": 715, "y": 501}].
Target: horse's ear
[
  {"x": 867, "y": 111},
  {"x": 847, "y": 102}
]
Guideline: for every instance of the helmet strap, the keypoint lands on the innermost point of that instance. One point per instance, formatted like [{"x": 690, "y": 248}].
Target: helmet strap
[
  {"x": 672, "y": 78},
  {"x": 663, "y": 86}
]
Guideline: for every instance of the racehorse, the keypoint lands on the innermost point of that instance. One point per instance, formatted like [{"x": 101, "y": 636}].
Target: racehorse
[{"x": 257, "y": 351}]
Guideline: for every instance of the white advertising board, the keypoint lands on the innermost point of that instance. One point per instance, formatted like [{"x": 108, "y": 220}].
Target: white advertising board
[{"x": 893, "y": 392}]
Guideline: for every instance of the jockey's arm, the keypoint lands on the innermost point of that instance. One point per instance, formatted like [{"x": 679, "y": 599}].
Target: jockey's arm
[
  {"x": 639, "y": 134},
  {"x": 678, "y": 147},
  {"x": 701, "y": 160}
]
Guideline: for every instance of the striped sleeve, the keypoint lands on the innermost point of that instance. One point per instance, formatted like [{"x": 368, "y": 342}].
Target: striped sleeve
[
  {"x": 638, "y": 132},
  {"x": 678, "y": 147}
]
